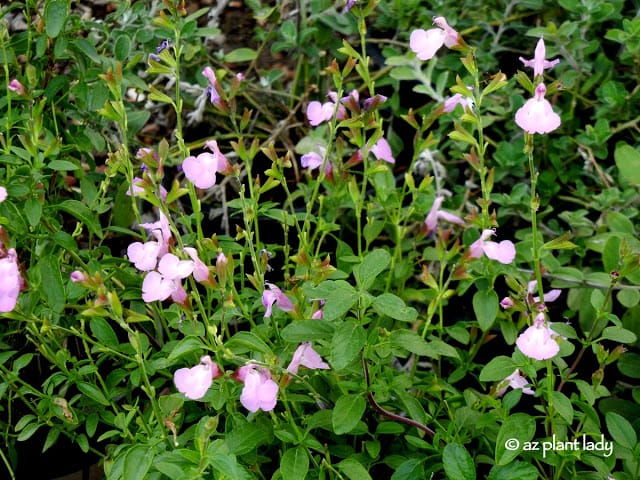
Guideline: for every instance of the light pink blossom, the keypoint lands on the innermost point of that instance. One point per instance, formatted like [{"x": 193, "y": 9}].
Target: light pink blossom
[
  {"x": 382, "y": 151},
  {"x": 539, "y": 63},
  {"x": 538, "y": 341},
  {"x": 537, "y": 115},
  {"x": 201, "y": 271},
  {"x": 201, "y": 170},
  {"x": 431, "y": 222},
  {"x": 515, "y": 380},
  {"x": 275, "y": 296},
  {"x": 425, "y": 43},
  {"x": 212, "y": 89},
  {"x": 455, "y": 100},
  {"x": 11, "y": 282},
  {"x": 144, "y": 255},
  {"x": 507, "y": 302},
  {"x": 17, "y": 87},
  {"x": 195, "y": 381},
  {"x": 165, "y": 282},
  {"x": 260, "y": 392},
  {"x": 503, "y": 252},
  {"x": 160, "y": 231},
  {"x": 549, "y": 296},
  {"x": 313, "y": 160},
  {"x": 306, "y": 356},
  {"x": 3, "y": 194},
  {"x": 318, "y": 113},
  {"x": 78, "y": 276}
]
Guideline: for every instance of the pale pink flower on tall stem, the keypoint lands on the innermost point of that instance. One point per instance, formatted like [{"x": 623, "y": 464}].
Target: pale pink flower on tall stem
[
  {"x": 539, "y": 63},
  {"x": 144, "y": 255},
  {"x": 515, "y": 381},
  {"x": 201, "y": 170},
  {"x": 11, "y": 282},
  {"x": 537, "y": 115},
  {"x": 195, "y": 381},
  {"x": 17, "y": 87},
  {"x": 161, "y": 231},
  {"x": 382, "y": 151},
  {"x": 201, "y": 272},
  {"x": 3, "y": 194},
  {"x": 538, "y": 341},
  {"x": 212, "y": 89},
  {"x": 306, "y": 356},
  {"x": 318, "y": 113},
  {"x": 313, "y": 160},
  {"x": 435, "y": 214},
  {"x": 503, "y": 252},
  {"x": 165, "y": 282},
  {"x": 425, "y": 43},
  {"x": 260, "y": 392},
  {"x": 275, "y": 296}
]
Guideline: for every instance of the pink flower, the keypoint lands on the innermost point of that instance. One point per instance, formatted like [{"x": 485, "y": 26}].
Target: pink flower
[
  {"x": 11, "y": 282},
  {"x": 260, "y": 392},
  {"x": 515, "y": 380},
  {"x": 538, "y": 341},
  {"x": 78, "y": 276},
  {"x": 431, "y": 222},
  {"x": 318, "y": 113},
  {"x": 165, "y": 282},
  {"x": 195, "y": 381},
  {"x": 144, "y": 255},
  {"x": 425, "y": 43},
  {"x": 201, "y": 170},
  {"x": 539, "y": 63},
  {"x": 137, "y": 189},
  {"x": 382, "y": 151},
  {"x": 313, "y": 160},
  {"x": 161, "y": 231},
  {"x": 212, "y": 89},
  {"x": 503, "y": 252},
  {"x": 549, "y": 296},
  {"x": 275, "y": 295},
  {"x": 3, "y": 194},
  {"x": 306, "y": 356},
  {"x": 536, "y": 115},
  {"x": 507, "y": 302},
  {"x": 201, "y": 272},
  {"x": 17, "y": 87},
  {"x": 455, "y": 100}
]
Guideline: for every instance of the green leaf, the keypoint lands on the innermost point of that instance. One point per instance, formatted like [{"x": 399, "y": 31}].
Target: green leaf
[
  {"x": 619, "y": 334},
  {"x": 52, "y": 287},
  {"x": 560, "y": 243},
  {"x": 55, "y": 15},
  {"x": 563, "y": 406},
  {"x": 294, "y": 464},
  {"x": 240, "y": 55},
  {"x": 243, "y": 342},
  {"x": 628, "y": 298},
  {"x": 33, "y": 211},
  {"x": 517, "y": 429},
  {"x": 103, "y": 332},
  {"x": 519, "y": 470},
  {"x": 122, "y": 48},
  {"x": 621, "y": 430},
  {"x": 485, "y": 306},
  {"x": 93, "y": 393},
  {"x": 307, "y": 330},
  {"x": 628, "y": 162},
  {"x": 629, "y": 365},
  {"x": 412, "y": 342},
  {"x": 371, "y": 267},
  {"x": 82, "y": 213},
  {"x": 137, "y": 462},
  {"x": 347, "y": 413},
  {"x": 184, "y": 347},
  {"x": 458, "y": 464},
  {"x": 28, "y": 431},
  {"x": 394, "y": 307},
  {"x": 339, "y": 297},
  {"x": 497, "y": 369},
  {"x": 62, "y": 165},
  {"x": 346, "y": 344},
  {"x": 246, "y": 437},
  {"x": 353, "y": 469}
]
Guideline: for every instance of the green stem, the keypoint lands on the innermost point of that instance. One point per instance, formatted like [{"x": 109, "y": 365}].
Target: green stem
[{"x": 535, "y": 250}]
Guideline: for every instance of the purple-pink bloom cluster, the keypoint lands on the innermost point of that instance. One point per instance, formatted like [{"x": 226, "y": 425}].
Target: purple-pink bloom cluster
[
  {"x": 425, "y": 43},
  {"x": 201, "y": 170},
  {"x": 503, "y": 252}
]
